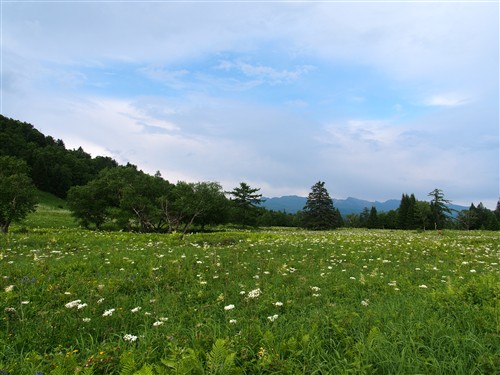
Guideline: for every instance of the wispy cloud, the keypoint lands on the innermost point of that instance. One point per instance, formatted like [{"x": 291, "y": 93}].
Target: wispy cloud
[
  {"x": 265, "y": 74},
  {"x": 172, "y": 78},
  {"x": 447, "y": 100}
]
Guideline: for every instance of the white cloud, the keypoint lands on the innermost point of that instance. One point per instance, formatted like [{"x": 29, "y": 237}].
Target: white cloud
[
  {"x": 260, "y": 116},
  {"x": 447, "y": 100},
  {"x": 266, "y": 73}
]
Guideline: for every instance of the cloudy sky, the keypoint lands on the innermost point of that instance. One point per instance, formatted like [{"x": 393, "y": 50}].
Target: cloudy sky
[{"x": 374, "y": 98}]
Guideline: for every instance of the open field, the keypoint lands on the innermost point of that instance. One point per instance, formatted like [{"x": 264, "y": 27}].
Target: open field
[{"x": 276, "y": 301}]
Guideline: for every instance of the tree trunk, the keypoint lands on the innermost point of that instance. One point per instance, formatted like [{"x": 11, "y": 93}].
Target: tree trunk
[{"x": 5, "y": 227}]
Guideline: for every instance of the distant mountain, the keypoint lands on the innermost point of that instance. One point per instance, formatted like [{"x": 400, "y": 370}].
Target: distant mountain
[{"x": 294, "y": 203}]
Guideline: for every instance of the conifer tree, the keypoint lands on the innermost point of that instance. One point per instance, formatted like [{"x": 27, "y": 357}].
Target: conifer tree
[
  {"x": 439, "y": 208},
  {"x": 319, "y": 213},
  {"x": 245, "y": 203}
]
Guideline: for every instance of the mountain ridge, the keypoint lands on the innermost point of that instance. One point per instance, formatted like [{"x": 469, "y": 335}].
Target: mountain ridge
[{"x": 350, "y": 205}]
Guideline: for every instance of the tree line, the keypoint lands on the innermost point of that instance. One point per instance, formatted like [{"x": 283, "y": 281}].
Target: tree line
[{"x": 102, "y": 194}]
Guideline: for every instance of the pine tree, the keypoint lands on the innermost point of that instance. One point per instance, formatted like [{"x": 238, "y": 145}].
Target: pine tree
[
  {"x": 439, "y": 208},
  {"x": 245, "y": 202},
  {"x": 403, "y": 209},
  {"x": 319, "y": 213}
]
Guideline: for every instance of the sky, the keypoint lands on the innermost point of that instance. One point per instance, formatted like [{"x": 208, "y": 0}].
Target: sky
[{"x": 374, "y": 98}]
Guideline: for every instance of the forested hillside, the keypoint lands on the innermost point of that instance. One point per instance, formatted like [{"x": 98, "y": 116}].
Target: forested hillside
[{"x": 53, "y": 168}]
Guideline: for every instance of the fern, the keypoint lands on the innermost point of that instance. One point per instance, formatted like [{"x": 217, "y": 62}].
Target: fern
[
  {"x": 127, "y": 364},
  {"x": 145, "y": 370},
  {"x": 58, "y": 371},
  {"x": 87, "y": 371},
  {"x": 183, "y": 361},
  {"x": 221, "y": 360}
]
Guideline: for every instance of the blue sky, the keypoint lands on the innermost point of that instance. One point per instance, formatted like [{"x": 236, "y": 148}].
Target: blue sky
[{"x": 374, "y": 98}]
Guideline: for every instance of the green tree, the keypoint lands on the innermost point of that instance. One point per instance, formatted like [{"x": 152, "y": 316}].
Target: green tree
[
  {"x": 87, "y": 204},
  {"x": 198, "y": 203},
  {"x": 245, "y": 203},
  {"x": 319, "y": 213},
  {"x": 17, "y": 193},
  {"x": 440, "y": 212},
  {"x": 363, "y": 217},
  {"x": 389, "y": 219},
  {"x": 373, "y": 220},
  {"x": 128, "y": 197},
  {"x": 406, "y": 212},
  {"x": 467, "y": 218},
  {"x": 422, "y": 214}
]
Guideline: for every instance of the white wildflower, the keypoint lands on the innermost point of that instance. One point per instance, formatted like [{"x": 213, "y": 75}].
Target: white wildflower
[
  {"x": 157, "y": 323},
  {"x": 81, "y": 306},
  {"x": 25, "y": 302},
  {"x": 86, "y": 320},
  {"x": 254, "y": 293},
  {"x": 278, "y": 304},
  {"x": 273, "y": 318},
  {"x": 129, "y": 337},
  {"x": 423, "y": 286},
  {"x": 315, "y": 289},
  {"x": 364, "y": 302},
  {"x": 9, "y": 288},
  {"x": 72, "y": 304},
  {"x": 100, "y": 301},
  {"x": 108, "y": 312},
  {"x": 229, "y": 307},
  {"x": 232, "y": 321},
  {"x": 136, "y": 309},
  {"x": 473, "y": 271}
]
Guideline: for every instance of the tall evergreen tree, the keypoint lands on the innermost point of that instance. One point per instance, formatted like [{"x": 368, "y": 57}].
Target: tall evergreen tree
[
  {"x": 373, "y": 221},
  {"x": 439, "y": 209},
  {"x": 403, "y": 209},
  {"x": 245, "y": 203},
  {"x": 319, "y": 213}
]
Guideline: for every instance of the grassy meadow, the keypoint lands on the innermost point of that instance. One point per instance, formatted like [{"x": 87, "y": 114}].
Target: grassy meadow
[{"x": 274, "y": 301}]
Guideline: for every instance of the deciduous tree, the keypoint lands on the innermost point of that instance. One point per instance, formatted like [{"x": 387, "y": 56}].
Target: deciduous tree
[{"x": 17, "y": 192}]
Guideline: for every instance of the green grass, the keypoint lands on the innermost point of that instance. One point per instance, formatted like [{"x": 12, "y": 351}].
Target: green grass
[
  {"x": 340, "y": 302},
  {"x": 51, "y": 212},
  {"x": 351, "y": 302}
]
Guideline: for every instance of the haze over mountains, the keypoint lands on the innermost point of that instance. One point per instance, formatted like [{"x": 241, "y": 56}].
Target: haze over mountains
[{"x": 350, "y": 205}]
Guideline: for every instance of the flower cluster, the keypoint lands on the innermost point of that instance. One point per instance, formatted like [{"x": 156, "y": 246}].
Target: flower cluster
[
  {"x": 76, "y": 303},
  {"x": 108, "y": 312},
  {"x": 273, "y": 317},
  {"x": 129, "y": 337},
  {"x": 254, "y": 293}
]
